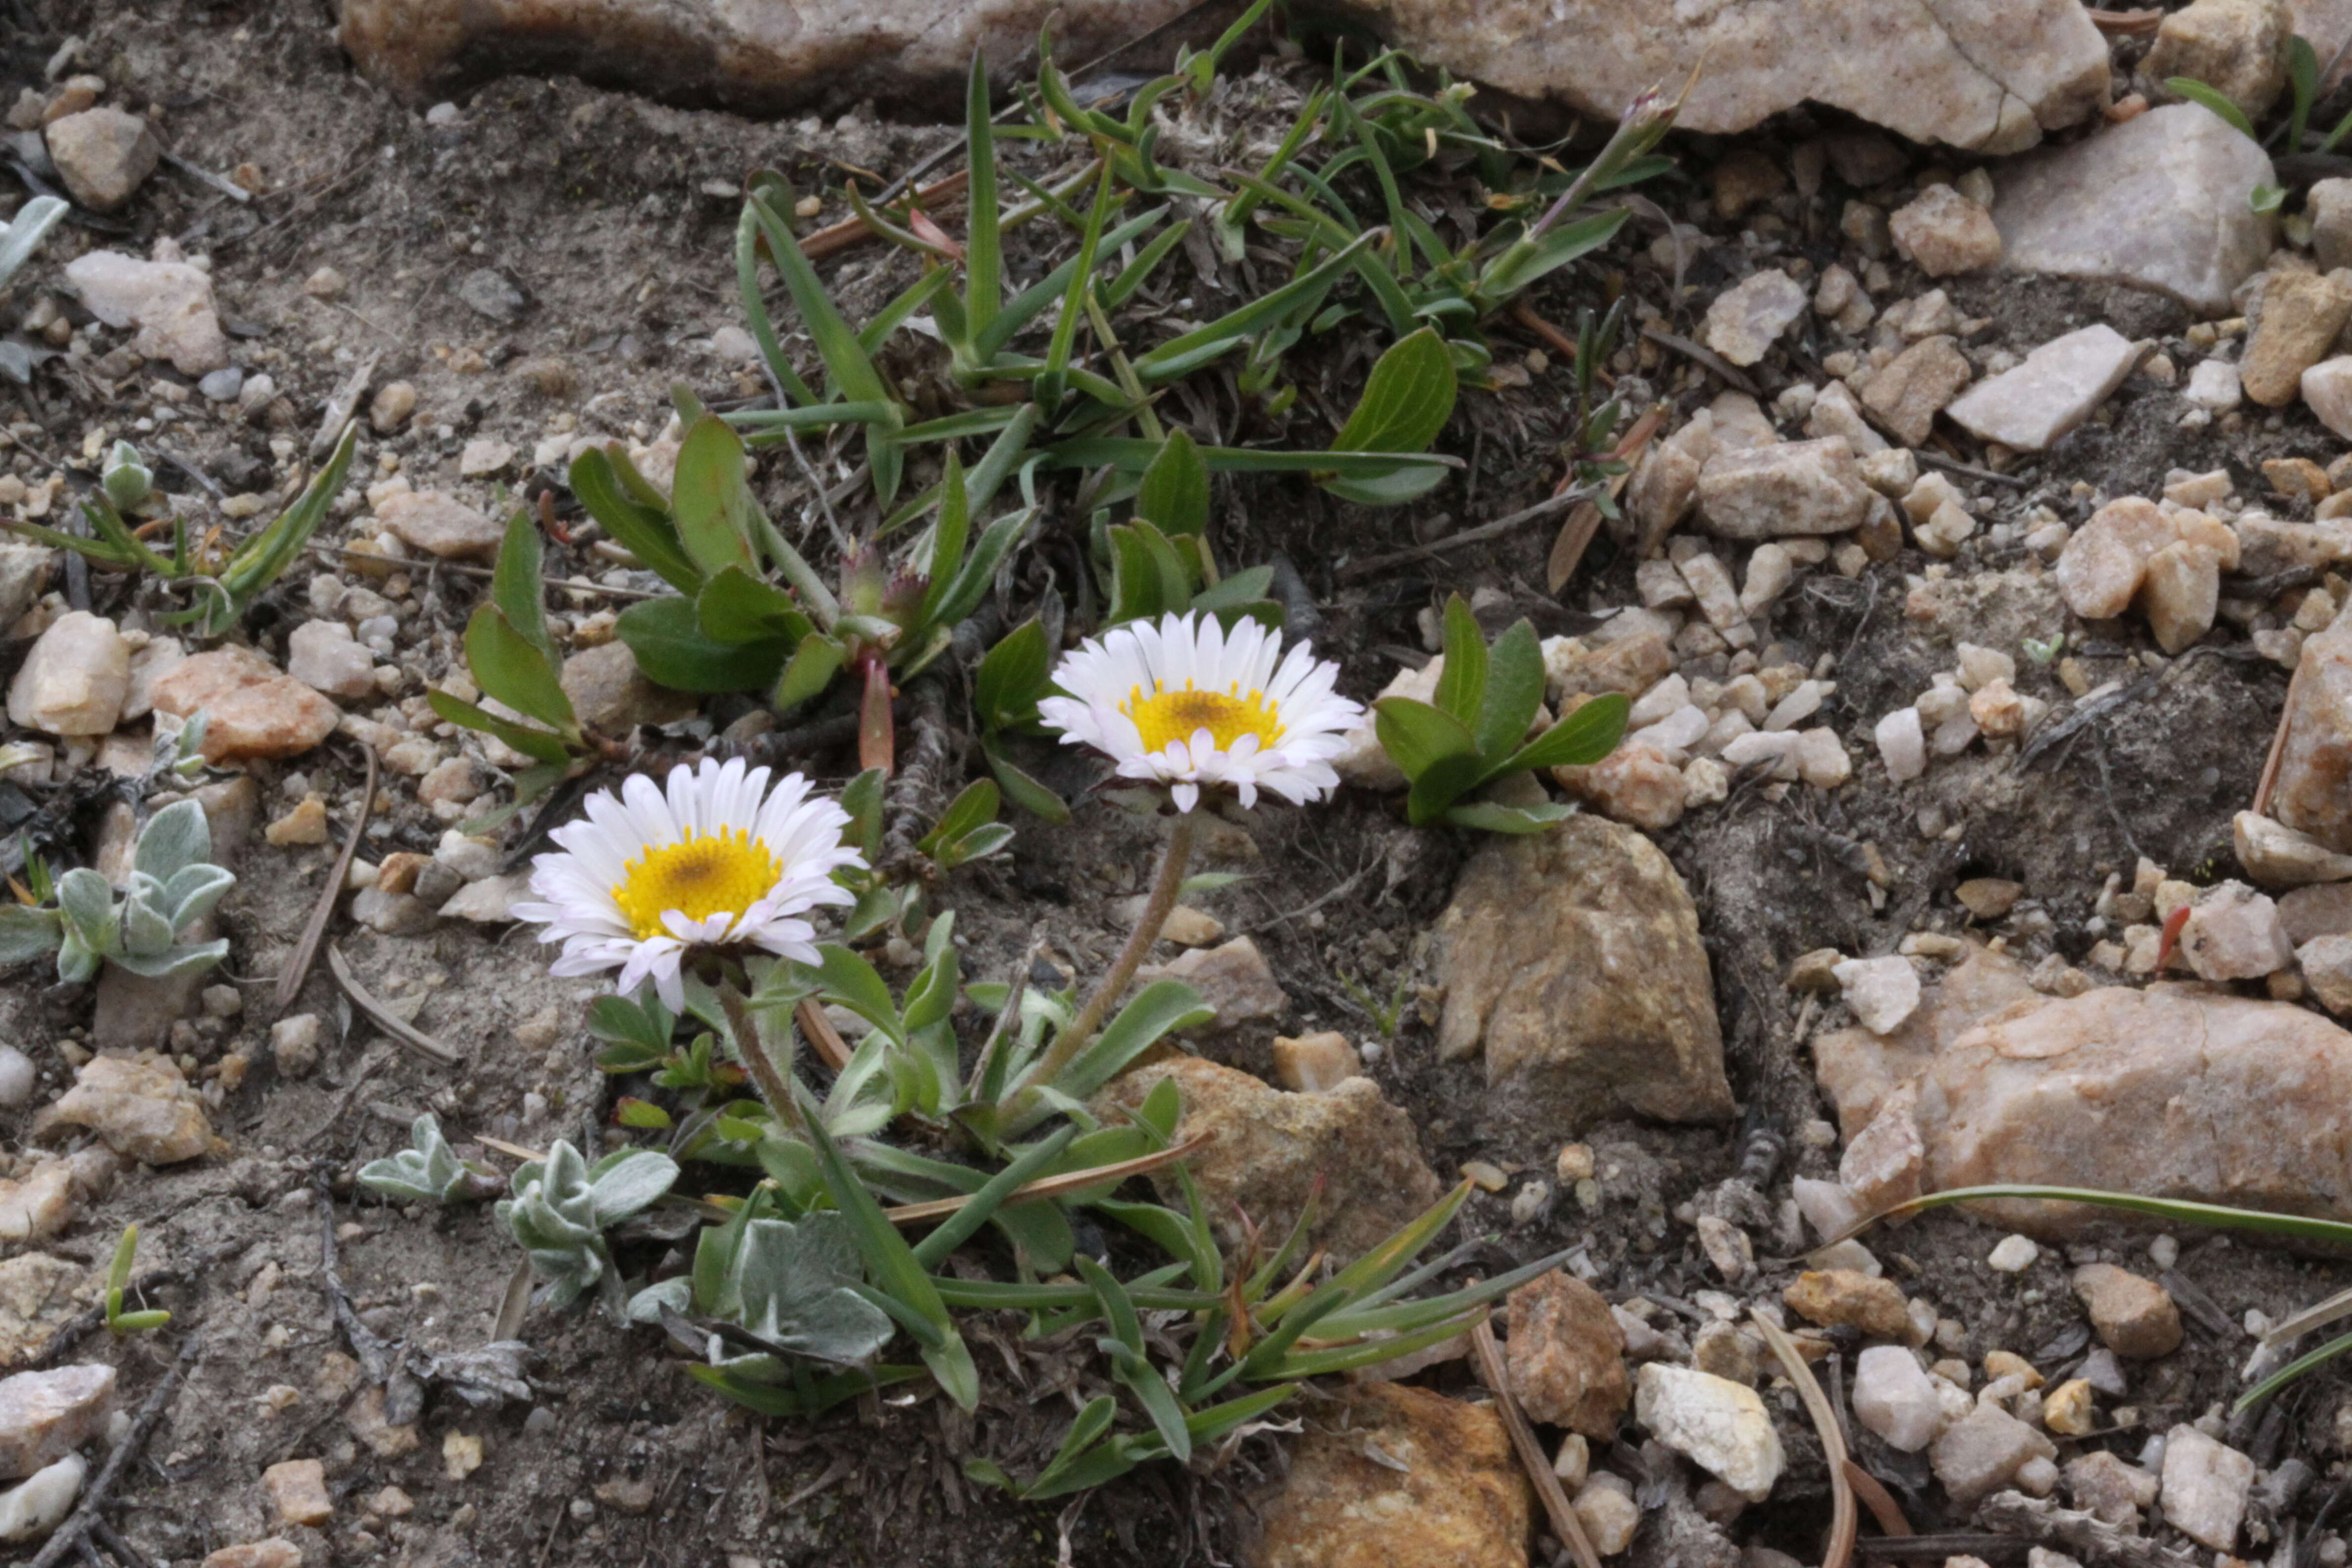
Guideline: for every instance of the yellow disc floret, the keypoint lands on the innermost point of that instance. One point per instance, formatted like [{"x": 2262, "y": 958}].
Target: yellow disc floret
[
  {"x": 708, "y": 874},
  {"x": 1166, "y": 716}
]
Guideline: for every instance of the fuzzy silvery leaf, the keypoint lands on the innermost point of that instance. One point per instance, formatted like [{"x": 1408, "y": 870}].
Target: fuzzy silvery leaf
[
  {"x": 127, "y": 477},
  {"x": 193, "y": 891},
  {"x": 88, "y": 902},
  {"x": 629, "y": 1182},
  {"x": 174, "y": 838},
  {"x": 76, "y": 962},
  {"x": 428, "y": 1172},
  {"x": 172, "y": 961},
  {"x": 676, "y": 1294},
  {"x": 27, "y": 932},
  {"x": 796, "y": 1280},
  {"x": 146, "y": 929}
]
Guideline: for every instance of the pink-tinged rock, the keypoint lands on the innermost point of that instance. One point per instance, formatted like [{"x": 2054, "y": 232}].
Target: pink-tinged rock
[
  {"x": 441, "y": 525},
  {"x": 324, "y": 656},
  {"x": 1633, "y": 783},
  {"x": 74, "y": 680},
  {"x": 2057, "y": 388},
  {"x": 2133, "y": 1317},
  {"x": 45, "y": 1415},
  {"x": 2181, "y": 591},
  {"x": 2235, "y": 933},
  {"x": 2327, "y": 388},
  {"x": 1566, "y": 1355},
  {"x": 1572, "y": 958},
  {"x": 1882, "y": 1165},
  {"x": 1790, "y": 487},
  {"x": 2105, "y": 561},
  {"x": 1272, "y": 1148},
  {"x": 251, "y": 710},
  {"x": 1981, "y": 1452},
  {"x": 1946, "y": 233},
  {"x": 2173, "y": 1091},
  {"x": 143, "y": 1108},
  {"x": 103, "y": 155},
  {"x": 2205, "y": 1488},
  {"x": 1992, "y": 76},
  {"x": 170, "y": 302},
  {"x": 1747, "y": 319},
  {"x": 2314, "y": 790},
  {"x": 2158, "y": 202}
]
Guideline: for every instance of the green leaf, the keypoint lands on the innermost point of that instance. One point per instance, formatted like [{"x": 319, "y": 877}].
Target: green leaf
[
  {"x": 1180, "y": 356},
  {"x": 542, "y": 746},
  {"x": 2212, "y": 98},
  {"x": 853, "y": 372},
  {"x": 174, "y": 838},
  {"x": 172, "y": 961},
  {"x": 973, "y": 807},
  {"x": 86, "y": 902},
  {"x": 2266, "y": 198},
  {"x": 519, "y": 583},
  {"x": 891, "y": 1265},
  {"x": 2302, "y": 73},
  {"x": 27, "y": 934},
  {"x": 640, "y": 1113},
  {"x": 1417, "y": 737},
  {"x": 1023, "y": 789},
  {"x": 857, "y": 985},
  {"x": 971, "y": 582},
  {"x": 983, "y": 256},
  {"x": 1584, "y": 737},
  {"x": 712, "y": 498},
  {"x": 1445, "y": 782},
  {"x": 644, "y": 532},
  {"x": 1407, "y": 399},
  {"x": 948, "y": 536},
  {"x": 507, "y": 666},
  {"x": 673, "y": 650},
  {"x": 1174, "y": 495},
  {"x": 1523, "y": 265},
  {"x": 1488, "y": 816},
  {"x": 1514, "y": 690},
  {"x": 811, "y": 669},
  {"x": 1462, "y": 684},
  {"x": 735, "y": 606},
  {"x": 1012, "y": 677},
  {"x": 1159, "y": 1009}
]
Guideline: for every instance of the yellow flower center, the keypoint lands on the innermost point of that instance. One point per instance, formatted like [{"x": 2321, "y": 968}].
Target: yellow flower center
[
  {"x": 1168, "y": 716},
  {"x": 707, "y": 874}
]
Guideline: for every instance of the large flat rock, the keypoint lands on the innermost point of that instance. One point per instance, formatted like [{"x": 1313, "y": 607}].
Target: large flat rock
[
  {"x": 2176, "y": 1090},
  {"x": 1987, "y": 74},
  {"x": 2159, "y": 202},
  {"x": 757, "y": 56}
]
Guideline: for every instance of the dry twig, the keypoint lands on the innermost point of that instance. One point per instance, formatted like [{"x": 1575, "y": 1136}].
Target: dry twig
[
  {"x": 74, "y": 1531},
  {"x": 383, "y": 1017},
  {"x": 306, "y": 951},
  {"x": 1844, "y": 1520},
  {"x": 1564, "y": 1522}
]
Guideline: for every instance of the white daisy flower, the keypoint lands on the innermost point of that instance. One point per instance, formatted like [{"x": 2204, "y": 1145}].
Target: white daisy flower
[
  {"x": 719, "y": 859},
  {"x": 1187, "y": 703}
]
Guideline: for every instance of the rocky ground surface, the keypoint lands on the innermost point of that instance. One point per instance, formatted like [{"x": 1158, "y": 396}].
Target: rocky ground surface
[{"x": 1998, "y": 520}]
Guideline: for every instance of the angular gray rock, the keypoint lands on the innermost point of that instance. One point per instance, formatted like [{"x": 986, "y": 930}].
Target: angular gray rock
[
  {"x": 1573, "y": 958},
  {"x": 1992, "y": 75},
  {"x": 2060, "y": 384},
  {"x": 2159, "y": 202}
]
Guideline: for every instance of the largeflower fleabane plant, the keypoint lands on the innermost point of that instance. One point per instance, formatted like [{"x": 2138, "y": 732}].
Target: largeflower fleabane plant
[
  {"x": 717, "y": 859},
  {"x": 1185, "y": 702}
]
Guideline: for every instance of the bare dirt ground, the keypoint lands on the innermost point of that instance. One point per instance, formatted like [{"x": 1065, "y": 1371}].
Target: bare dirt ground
[{"x": 614, "y": 217}]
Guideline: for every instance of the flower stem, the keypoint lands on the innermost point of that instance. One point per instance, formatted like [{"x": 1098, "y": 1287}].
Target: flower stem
[
  {"x": 769, "y": 1079},
  {"x": 1083, "y": 1028}
]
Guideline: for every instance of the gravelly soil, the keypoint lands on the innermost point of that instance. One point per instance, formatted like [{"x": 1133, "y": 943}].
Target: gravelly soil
[{"x": 615, "y": 218}]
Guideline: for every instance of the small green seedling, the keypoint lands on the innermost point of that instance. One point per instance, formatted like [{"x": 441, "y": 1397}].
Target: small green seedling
[
  {"x": 562, "y": 1207},
  {"x": 173, "y": 884},
  {"x": 1475, "y": 732},
  {"x": 224, "y": 585},
  {"x": 117, "y": 1282},
  {"x": 428, "y": 1172}
]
